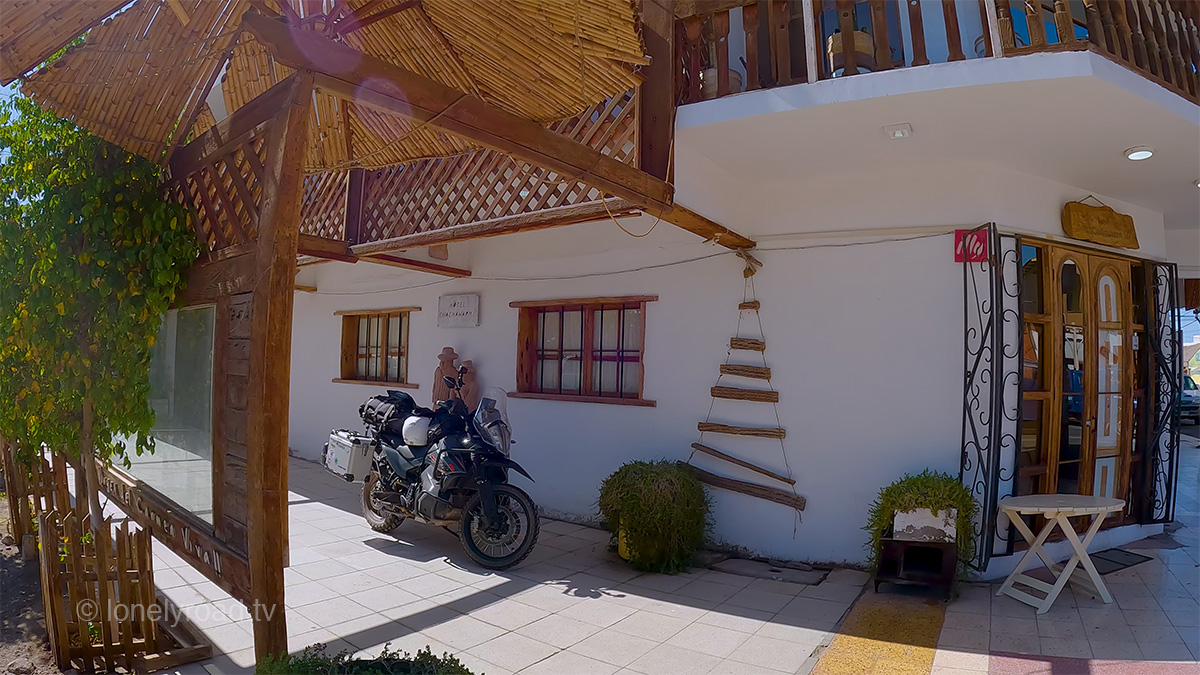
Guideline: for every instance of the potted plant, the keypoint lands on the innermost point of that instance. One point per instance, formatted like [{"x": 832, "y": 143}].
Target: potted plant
[
  {"x": 926, "y": 507},
  {"x": 658, "y": 513}
]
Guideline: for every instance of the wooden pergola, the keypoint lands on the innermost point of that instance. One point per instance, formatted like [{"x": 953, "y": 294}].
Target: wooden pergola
[{"x": 332, "y": 107}]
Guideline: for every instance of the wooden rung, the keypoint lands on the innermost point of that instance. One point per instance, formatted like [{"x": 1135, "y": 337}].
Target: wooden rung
[
  {"x": 748, "y": 344},
  {"x": 739, "y": 394},
  {"x": 756, "y": 372},
  {"x": 759, "y": 432},
  {"x": 742, "y": 463},
  {"x": 761, "y": 491},
  {"x": 753, "y": 304}
]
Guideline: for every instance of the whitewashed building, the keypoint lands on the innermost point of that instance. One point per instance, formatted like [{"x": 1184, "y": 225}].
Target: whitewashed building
[{"x": 888, "y": 356}]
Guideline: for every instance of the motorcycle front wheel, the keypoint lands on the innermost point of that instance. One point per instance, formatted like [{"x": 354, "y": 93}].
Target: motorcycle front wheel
[
  {"x": 508, "y": 541},
  {"x": 372, "y": 506}
]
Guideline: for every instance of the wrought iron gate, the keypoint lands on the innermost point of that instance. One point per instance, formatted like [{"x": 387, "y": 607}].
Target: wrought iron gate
[
  {"x": 991, "y": 386},
  {"x": 1158, "y": 473}
]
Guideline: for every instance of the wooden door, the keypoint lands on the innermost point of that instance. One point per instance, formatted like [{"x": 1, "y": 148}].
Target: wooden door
[{"x": 1112, "y": 327}]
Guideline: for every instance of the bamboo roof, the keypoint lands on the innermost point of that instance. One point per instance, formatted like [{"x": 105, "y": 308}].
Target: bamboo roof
[{"x": 141, "y": 78}]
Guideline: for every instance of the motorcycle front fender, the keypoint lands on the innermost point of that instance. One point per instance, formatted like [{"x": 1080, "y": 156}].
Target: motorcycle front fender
[{"x": 507, "y": 463}]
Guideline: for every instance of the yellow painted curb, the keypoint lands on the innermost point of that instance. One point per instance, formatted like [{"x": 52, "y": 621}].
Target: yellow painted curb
[{"x": 885, "y": 635}]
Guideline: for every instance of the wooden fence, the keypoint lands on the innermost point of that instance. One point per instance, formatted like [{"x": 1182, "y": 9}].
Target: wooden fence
[{"x": 102, "y": 610}]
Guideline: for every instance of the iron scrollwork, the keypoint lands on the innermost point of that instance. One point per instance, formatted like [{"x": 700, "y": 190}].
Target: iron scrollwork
[{"x": 1166, "y": 369}]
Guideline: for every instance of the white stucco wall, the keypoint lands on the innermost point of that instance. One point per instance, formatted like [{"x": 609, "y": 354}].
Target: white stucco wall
[{"x": 864, "y": 339}]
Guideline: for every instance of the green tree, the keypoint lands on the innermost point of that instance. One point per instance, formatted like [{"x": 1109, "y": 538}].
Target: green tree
[{"x": 91, "y": 256}]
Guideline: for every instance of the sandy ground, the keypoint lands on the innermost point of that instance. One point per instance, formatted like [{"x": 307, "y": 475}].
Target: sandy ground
[{"x": 23, "y": 646}]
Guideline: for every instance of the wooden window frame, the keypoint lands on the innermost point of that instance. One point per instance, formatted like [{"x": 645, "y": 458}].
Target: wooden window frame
[
  {"x": 528, "y": 347},
  {"x": 349, "y": 352}
]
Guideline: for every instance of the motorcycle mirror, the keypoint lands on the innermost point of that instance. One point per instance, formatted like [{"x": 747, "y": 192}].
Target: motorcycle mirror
[
  {"x": 450, "y": 382},
  {"x": 462, "y": 370}
]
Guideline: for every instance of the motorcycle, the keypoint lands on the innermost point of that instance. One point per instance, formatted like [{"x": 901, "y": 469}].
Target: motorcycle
[{"x": 449, "y": 467}]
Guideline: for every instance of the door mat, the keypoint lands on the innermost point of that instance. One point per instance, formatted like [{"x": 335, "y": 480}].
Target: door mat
[
  {"x": 1115, "y": 559},
  {"x": 1158, "y": 541}
]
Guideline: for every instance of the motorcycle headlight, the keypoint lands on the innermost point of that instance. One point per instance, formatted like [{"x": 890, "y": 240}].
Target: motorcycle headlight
[{"x": 499, "y": 435}]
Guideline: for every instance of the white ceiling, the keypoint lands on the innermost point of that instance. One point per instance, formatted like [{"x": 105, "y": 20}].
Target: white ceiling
[{"x": 1072, "y": 127}]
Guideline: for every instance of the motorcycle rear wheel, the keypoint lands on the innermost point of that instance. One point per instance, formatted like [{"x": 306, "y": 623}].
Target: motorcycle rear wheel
[
  {"x": 514, "y": 537},
  {"x": 372, "y": 507}
]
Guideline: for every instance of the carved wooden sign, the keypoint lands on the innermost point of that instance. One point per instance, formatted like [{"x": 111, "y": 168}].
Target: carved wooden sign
[{"x": 1099, "y": 225}]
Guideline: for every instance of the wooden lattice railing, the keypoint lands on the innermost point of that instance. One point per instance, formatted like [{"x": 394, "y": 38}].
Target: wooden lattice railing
[
  {"x": 477, "y": 185},
  {"x": 223, "y": 193}
]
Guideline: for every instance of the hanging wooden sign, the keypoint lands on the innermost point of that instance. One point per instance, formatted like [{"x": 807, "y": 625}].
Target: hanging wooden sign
[{"x": 1099, "y": 225}]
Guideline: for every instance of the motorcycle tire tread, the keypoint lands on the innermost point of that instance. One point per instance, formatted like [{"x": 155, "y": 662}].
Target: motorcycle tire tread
[
  {"x": 387, "y": 523},
  {"x": 464, "y": 535}
]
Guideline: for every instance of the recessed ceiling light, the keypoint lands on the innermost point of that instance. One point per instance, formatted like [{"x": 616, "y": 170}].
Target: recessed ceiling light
[
  {"x": 1139, "y": 152},
  {"x": 1198, "y": 183},
  {"x": 896, "y": 131}
]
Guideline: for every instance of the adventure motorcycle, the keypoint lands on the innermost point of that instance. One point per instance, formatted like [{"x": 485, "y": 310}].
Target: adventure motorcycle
[{"x": 448, "y": 467}]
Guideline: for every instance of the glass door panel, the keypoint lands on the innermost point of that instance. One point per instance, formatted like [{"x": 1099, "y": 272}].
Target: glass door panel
[{"x": 1071, "y": 292}]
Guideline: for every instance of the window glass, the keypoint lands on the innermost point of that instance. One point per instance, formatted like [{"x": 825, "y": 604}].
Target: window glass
[
  {"x": 375, "y": 346},
  {"x": 1188, "y": 383},
  {"x": 1031, "y": 279},
  {"x": 181, "y": 393},
  {"x": 589, "y": 350}
]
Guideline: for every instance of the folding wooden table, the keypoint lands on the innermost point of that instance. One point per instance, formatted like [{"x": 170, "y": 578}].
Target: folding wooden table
[{"x": 1057, "y": 509}]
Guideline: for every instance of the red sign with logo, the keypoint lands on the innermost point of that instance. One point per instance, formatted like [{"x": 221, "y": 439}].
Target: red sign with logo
[{"x": 971, "y": 246}]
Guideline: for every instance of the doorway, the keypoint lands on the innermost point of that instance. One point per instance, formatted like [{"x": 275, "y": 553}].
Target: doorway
[{"x": 1083, "y": 326}]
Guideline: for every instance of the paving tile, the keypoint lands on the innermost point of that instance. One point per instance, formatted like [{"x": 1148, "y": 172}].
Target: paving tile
[
  {"x": 1016, "y": 644},
  {"x": 772, "y": 653},
  {"x": 549, "y": 598},
  {"x": 1014, "y": 625},
  {"x": 304, "y": 594},
  {"x": 1110, "y": 634},
  {"x": 512, "y": 651},
  {"x": 736, "y": 618},
  {"x": 731, "y": 667},
  {"x": 964, "y": 640},
  {"x": 661, "y": 582},
  {"x": 429, "y": 585},
  {"x": 671, "y": 660},
  {"x": 834, "y": 592},
  {"x": 559, "y": 631},
  {"x": 560, "y": 527},
  {"x": 780, "y": 587},
  {"x": 613, "y": 646},
  {"x": 760, "y": 600},
  {"x": 477, "y": 665},
  {"x": 726, "y": 579},
  {"x": 815, "y": 613},
  {"x": 792, "y": 630},
  {"x": 598, "y": 613},
  {"x": 689, "y": 610},
  {"x": 848, "y": 577},
  {"x": 1116, "y": 651},
  {"x": 463, "y": 632},
  {"x": 711, "y": 640},
  {"x": 1073, "y": 648},
  {"x": 387, "y": 597},
  {"x": 1165, "y": 651},
  {"x": 650, "y": 626},
  {"x": 1154, "y": 617},
  {"x": 333, "y": 611},
  {"x": 618, "y": 572},
  {"x": 1144, "y": 634},
  {"x": 1062, "y": 629},
  {"x": 509, "y": 614},
  {"x": 707, "y": 590},
  {"x": 960, "y": 660},
  {"x": 970, "y": 622},
  {"x": 568, "y": 662},
  {"x": 230, "y": 638}
]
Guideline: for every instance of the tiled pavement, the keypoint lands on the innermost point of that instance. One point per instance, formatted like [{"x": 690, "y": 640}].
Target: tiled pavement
[
  {"x": 571, "y": 608},
  {"x": 1155, "y": 616}
]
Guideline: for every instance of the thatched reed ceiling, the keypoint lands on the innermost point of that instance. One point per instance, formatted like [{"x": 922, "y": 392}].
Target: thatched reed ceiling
[{"x": 141, "y": 78}]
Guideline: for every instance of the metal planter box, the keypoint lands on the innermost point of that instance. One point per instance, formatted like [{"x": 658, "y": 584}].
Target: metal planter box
[{"x": 348, "y": 455}]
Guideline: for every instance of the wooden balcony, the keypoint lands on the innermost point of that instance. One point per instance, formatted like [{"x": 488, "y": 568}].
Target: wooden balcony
[{"x": 726, "y": 47}]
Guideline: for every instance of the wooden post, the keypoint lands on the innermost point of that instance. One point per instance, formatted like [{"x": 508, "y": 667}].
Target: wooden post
[
  {"x": 1141, "y": 56},
  {"x": 750, "y": 26},
  {"x": 656, "y": 95},
  {"x": 916, "y": 26},
  {"x": 778, "y": 18},
  {"x": 1109, "y": 28},
  {"x": 270, "y": 367},
  {"x": 953, "y": 34},
  {"x": 883, "y": 48},
  {"x": 1095, "y": 29},
  {"x": 812, "y": 41},
  {"x": 1124, "y": 36},
  {"x": 845, "y": 10},
  {"x": 691, "y": 30},
  {"x": 1033, "y": 19},
  {"x": 721, "y": 35}
]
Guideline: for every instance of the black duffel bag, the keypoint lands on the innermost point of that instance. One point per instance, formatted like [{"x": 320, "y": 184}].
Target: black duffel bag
[{"x": 386, "y": 414}]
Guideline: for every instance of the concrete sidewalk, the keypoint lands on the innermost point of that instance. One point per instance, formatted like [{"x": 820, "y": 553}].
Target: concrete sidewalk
[{"x": 571, "y": 608}]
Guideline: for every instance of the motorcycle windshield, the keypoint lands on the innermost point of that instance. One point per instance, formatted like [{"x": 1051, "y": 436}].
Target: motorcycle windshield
[{"x": 491, "y": 419}]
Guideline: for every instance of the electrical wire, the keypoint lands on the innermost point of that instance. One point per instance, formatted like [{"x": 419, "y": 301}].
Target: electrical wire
[{"x": 645, "y": 267}]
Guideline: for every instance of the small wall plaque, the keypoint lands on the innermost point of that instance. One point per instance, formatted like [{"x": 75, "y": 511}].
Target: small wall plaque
[
  {"x": 458, "y": 311},
  {"x": 1099, "y": 225}
]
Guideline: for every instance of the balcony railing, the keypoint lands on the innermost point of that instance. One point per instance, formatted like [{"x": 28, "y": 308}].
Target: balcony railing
[{"x": 773, "y": 43}]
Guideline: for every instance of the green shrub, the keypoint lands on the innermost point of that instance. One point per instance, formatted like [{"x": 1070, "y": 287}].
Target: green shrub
[
  {"x": 314, "y": 661},
  {"x": 926, "y": 490},
  {"x": 662, "y": 509}
]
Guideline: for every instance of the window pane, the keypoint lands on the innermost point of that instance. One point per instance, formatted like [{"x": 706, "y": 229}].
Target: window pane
[
  {"x": 608, "y": 329},
  {"x": 572, "y": 372},
  {"x": 1072, "y": 292},
  {"x": 1031, "y": 465},
  {"x": 632, "y": 338},
  {"x": 1032, "y": 357},
  {"x": 1031, "y": 279},
  {"x": 550, "y": 326},
  {"x": 1108, "y": 299},
  {"x": 360, "y": 366},
  {"x": 630, "y": 377},
  {"x": 548, "y": 374},
  {"x": 1068, "y": 478},
  {"x": 572, "y": 337},
  {"x": 604, "y": 373},
  {"x": 181, "y": 389},
  {"x": 375, "y": 329},
  {"x": 393, "y": 352}
]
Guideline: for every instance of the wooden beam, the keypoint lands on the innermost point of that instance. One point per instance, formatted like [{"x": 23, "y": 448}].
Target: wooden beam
[
  {"x": 372, "y": 82},
  {"x": 323, "y": 247},
  {"x": 304, "y": 289},
  {"x": 656, "y": 96},
  {"x": 761, "y": 491},
  {"x": 687, "y": 219},
  {"x": 742, "y": 463},
  {"x": 417, "y": 265},
  {"x": 355, "y": 180}
]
